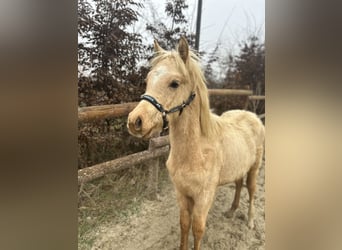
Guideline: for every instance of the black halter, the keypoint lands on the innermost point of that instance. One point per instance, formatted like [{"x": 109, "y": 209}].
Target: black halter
[{"x": 164, "y": 112}]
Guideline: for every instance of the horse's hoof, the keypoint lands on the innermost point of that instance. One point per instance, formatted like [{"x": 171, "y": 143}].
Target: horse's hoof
[
  {"x": 229, "y": 214},
  {"x": 251, "y": 224}
]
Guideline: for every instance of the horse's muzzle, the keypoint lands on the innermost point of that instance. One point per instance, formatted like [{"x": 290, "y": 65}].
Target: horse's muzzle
[{"x": 134, "y": 125}]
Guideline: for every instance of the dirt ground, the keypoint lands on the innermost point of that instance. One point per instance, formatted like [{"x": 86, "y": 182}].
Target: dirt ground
[{"x": 155, "y": 226}]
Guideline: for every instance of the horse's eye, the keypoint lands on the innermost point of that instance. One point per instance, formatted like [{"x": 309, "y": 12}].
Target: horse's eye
[{"x": 174, "y": 84}]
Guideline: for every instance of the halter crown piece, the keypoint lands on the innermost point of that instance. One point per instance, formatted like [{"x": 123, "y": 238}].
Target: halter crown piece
[{"x": 165, "y": 112}]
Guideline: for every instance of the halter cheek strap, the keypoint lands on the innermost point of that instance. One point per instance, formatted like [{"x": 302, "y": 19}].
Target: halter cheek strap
[
  {"x": 158, "y": 106},
  {"x": 164, "y": 112}
]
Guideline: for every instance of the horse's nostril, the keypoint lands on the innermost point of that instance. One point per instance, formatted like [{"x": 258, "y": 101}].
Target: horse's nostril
[{"x": 138, "y": 124}]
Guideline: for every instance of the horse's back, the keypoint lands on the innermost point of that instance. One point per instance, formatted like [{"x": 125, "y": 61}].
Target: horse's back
[{"x": 245, "y": 122}]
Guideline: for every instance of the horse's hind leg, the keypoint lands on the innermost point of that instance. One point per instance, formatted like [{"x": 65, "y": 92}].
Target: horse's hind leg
[
  {"x": 235, "y": 203},
  {"x": 251, "y": 185}
]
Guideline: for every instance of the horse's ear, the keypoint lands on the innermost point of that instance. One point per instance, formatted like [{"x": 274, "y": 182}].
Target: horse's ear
[
  {"x": 183, "y": 49},
  {"x": 157, "y": 47}
]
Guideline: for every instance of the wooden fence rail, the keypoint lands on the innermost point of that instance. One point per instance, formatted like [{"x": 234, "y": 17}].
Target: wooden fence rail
[
  {"x": 86, "y": 114},
  {"x": 225, "y": 92},
  {"x": 256, "y": 97},
  {"x": 159, "y": 148}
]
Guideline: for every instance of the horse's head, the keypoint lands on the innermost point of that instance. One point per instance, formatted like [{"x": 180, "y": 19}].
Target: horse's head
[{"x": 168, "y": 86}]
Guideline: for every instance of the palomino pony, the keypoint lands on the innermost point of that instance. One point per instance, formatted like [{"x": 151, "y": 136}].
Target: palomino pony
[{"x": 206, "y": 150}]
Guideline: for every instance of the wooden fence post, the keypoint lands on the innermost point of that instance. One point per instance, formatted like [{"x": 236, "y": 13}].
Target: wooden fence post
[
  {"x": 153, "y": 173},
  {"x": 154, "y": 165}
]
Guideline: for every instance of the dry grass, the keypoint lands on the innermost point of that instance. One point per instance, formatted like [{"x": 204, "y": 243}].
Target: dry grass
[{"x": 112, "y": 198}]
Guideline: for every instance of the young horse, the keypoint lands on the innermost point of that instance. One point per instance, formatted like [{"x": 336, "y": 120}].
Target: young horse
[{"x": 206, "y": 150}]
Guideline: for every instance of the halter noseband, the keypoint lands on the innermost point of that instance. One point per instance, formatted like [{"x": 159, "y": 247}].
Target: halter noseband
[{"x": 165, "y": 112}]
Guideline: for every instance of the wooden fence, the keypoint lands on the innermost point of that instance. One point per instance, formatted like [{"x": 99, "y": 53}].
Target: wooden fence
[
  {"x": 157, "y": 146},
  {"x": 92, "y": 113}
]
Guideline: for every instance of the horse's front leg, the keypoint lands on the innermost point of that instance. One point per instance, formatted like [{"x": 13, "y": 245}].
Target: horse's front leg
[
  {"x": 185, "y": 206},
  {"x": 200, "y": 213}
]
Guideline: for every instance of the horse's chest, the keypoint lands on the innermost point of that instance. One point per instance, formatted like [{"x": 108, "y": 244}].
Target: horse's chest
[
  {"x": 187, "y": 184},
  {"x": 190, "y": 182}
]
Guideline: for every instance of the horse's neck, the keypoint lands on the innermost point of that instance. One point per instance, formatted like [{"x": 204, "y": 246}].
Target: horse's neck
[{"x": 185, "y": 134}]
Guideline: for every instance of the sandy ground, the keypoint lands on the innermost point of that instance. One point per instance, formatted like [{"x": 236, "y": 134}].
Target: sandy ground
[{"x": 156, "y": 226}]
